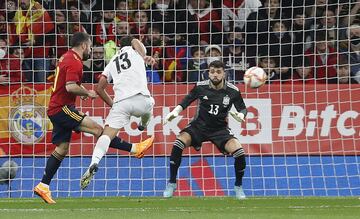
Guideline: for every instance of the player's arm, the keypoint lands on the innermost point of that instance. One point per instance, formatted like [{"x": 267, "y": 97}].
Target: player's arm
[
  {"x": 241, "y": 109},
  {"x": 73, "y": 81},
  {"x": 74, "y": 88},
  {"x": 100, "y": 90},
  {"x": 83, "y": 97},
  {"x": 140, "y": 48},
  {"x": 193, "y": 95}
]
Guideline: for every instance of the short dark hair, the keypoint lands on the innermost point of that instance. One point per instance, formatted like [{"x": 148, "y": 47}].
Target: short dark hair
[
  {"x": 217, "y": 64},
  {"x": 126, "y": 40},
  {"x": 78, "y": 38}
]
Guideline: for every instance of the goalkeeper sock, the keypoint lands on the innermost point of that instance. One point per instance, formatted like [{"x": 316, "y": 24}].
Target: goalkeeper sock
[
  {"x": 52, "y": 165},
  {"x": 101, "y": 147},
  {"x": 239, "y": 164},
  {"x": 120, "y": 144},
  {"x": 175, "y": 159}
]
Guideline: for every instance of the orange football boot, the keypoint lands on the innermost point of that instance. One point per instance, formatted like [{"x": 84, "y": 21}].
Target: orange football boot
[
  {"x": 44, "y": 193},
  {"x": 143, "y": 146}
]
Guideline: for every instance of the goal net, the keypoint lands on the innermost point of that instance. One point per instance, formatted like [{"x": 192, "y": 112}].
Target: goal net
[{"x": 301, "y": 135}]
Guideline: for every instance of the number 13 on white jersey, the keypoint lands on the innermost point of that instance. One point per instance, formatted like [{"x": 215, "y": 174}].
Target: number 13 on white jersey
[{"x": 127, "y": 71}]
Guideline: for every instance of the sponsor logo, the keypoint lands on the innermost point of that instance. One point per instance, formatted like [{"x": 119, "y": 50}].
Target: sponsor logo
[
  {"x": 263, "y": 124},
  {"x": 258, "y": 126},
  {"x": 295, "y": 121}
]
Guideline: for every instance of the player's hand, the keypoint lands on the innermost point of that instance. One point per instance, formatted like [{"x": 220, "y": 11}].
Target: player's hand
[
  {"x": 170, "y": 117},
  {"x": 240, "y": 117},
  {"x": 149, "y": 60},
  {"x": 92, "y": 94}
]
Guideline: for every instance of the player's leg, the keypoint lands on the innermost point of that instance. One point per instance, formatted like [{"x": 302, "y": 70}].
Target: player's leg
[
  {"x": 54, "y": 162},
  {"x": 60, "y": 137},
  {"x": 117, "y": 118},
  {"x": 145, "y": 118},
  {"x": 90, "y": 126},
  {"x": 52, "y": 165},
  {"x": 228, "y": 144},
  {"x": 102, "y": 144},
  {"x": 182, "y": 141},
  {"x": 138, "y": 106},
  {"x": 101, "y": 148},
  {"x": 63, "y": 123},
  {"x": 234, "y": 147}
]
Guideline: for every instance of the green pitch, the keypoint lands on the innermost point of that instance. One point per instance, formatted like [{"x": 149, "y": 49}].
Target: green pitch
[{"x": 183, "y": 208}]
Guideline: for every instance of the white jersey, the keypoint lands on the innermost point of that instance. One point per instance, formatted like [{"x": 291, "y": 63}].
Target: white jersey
[{"x": 127, "y": 70}]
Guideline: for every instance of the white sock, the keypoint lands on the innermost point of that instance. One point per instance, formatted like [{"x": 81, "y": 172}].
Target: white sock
[
  {"x": 102, "y": 146},
  {"x": 133, "y": 148}
]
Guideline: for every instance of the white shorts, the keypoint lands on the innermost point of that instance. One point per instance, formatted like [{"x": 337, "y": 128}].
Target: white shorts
[{"x": 121, "y": 111}]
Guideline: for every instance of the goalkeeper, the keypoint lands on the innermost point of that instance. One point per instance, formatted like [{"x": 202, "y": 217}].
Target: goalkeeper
[{"x": 216, "y": 97}]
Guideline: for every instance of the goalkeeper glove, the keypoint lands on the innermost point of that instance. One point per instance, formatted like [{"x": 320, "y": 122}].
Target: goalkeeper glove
[
  {"x": 240, "y": 117},
  {"x": 173, "y": 114}
]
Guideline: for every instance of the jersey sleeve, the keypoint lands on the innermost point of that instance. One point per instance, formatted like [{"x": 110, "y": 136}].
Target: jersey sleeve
[
  {"x": 193, "y": 95},
  {"x": 74, "y": 73},
  {"x": 239, "y": 103},
  {"x": 107, "y": 71}
]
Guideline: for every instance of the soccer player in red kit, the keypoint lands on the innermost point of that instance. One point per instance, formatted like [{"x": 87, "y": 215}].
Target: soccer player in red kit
[{"x": 66, "y": 118}]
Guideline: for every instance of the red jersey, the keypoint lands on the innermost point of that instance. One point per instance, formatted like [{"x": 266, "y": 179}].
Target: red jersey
[{"x": 70, "y": 68}]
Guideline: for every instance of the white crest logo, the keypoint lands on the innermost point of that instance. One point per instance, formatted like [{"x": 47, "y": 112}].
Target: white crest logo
[
  {"x": 27, "y": 122},
  {"x": 226, "y": 100}
]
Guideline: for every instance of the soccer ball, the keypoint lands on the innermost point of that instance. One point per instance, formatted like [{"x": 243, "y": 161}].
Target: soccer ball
[
  {"x": 255, "y": 77},
  {"x": 8, "y": 171}
]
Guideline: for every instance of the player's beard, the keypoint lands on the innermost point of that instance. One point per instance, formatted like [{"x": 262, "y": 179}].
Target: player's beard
[
  {"x": 217, "y": 82},
  {"x": 86, "y": 56}
]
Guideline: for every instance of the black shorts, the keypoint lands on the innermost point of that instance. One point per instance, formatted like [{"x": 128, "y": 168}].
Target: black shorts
[
  {"x": 64, "y": 122},
  {"x": 200, "y": 135}
]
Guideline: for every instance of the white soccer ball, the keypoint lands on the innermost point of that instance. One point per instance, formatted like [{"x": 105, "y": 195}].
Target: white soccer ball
[
  {"x": 8, "y": 171},
  {"x": 255, "y": 77}
]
